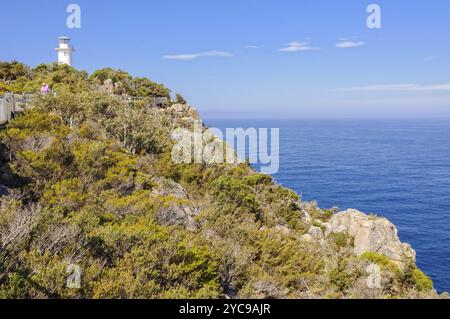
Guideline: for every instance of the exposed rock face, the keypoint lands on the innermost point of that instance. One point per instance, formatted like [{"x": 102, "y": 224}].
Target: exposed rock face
[
  {"x": 185, "y": 111},
  {"x": 306, "y": 217},
  {"x": 167, "y": 187},
  {"x": 193, "y": 113},
  {"x": 177, "y": 215},
  {"x": 107, "y": 87},
  {"x": 315, "y": 232},
  {"x": 283, "y": 229},
  {"x": 372, "y": 234},
  {"x": 374, "y": 277},
  {"x": 179, "y": 108}
]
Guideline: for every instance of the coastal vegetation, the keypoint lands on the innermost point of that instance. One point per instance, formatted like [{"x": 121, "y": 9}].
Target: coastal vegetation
[{"x": 91, "y": 184}]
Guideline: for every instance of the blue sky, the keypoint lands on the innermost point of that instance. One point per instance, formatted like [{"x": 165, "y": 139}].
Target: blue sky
[{"x": 256, "y": 58}]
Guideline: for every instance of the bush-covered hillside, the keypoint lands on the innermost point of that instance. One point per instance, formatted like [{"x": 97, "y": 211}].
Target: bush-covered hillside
[{"x": 90, "y": 182}]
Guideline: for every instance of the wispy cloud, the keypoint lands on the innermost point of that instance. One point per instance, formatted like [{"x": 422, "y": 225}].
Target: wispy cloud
[
  {"x": 430, "y": 58},
  {"x": 397, "y": 88},
  {"x": 346, "y": 44},
  {"x": 297, "y": 46},
  {"x": 193, "y": 56},
  {"x": 252, "y": 47}
]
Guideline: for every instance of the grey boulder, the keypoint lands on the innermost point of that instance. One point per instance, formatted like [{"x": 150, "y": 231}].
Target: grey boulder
[{"x": 372, "y": 234}]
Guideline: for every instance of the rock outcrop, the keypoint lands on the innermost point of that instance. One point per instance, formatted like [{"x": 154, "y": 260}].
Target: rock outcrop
[
  {"x": 184, "y": 111},
  {"x": 314, "y": 233},
  {"x": 167, "y": 187},
  {"x": 372, "y": 234},
  {"x": 374, "y": 277},
  {"x": 177, "y": 215},
  {"x": 107, "y": 87}
]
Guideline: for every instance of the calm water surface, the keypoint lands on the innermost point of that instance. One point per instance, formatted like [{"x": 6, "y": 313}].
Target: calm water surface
[{"x": 397, "y": 169}]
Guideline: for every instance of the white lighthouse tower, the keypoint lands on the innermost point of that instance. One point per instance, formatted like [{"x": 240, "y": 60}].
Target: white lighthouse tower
[{"x": 65, "y": 51}]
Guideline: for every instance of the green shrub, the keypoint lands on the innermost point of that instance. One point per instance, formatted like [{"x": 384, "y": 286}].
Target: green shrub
[
  {"x": 11, "y": 71},
  {"x": 422, "y": 281},
  {"x": 258, "y": 179},
  {"x": 15, "y": 286},
  {"x": 126, "y": 84},
  {"x": 4, "y": 88},
  {"x": 342, "y": 277},
  {"x": 342, "y": 240},
  {"x": 233, "y": 191},
  {"x": 381, "y": 260}
]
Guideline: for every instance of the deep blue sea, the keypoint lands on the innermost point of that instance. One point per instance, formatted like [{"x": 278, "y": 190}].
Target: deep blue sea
[{"x": 399, "y": 169}]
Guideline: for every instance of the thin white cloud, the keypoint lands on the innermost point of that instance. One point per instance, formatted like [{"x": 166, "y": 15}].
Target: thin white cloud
[
  {"x": 297, "y": 46},
  {"x": 345, "y": 44},
  {"x": 397, "y": 88},
  {"x": 193, "y": 56},
  {"x": 252, "y": 47}
]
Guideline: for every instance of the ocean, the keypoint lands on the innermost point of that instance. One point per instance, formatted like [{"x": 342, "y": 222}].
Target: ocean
[{"x": 399, "y": 169}]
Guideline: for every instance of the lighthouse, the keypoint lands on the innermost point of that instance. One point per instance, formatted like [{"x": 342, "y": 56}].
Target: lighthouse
[{"x": 65, "y": 51}]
